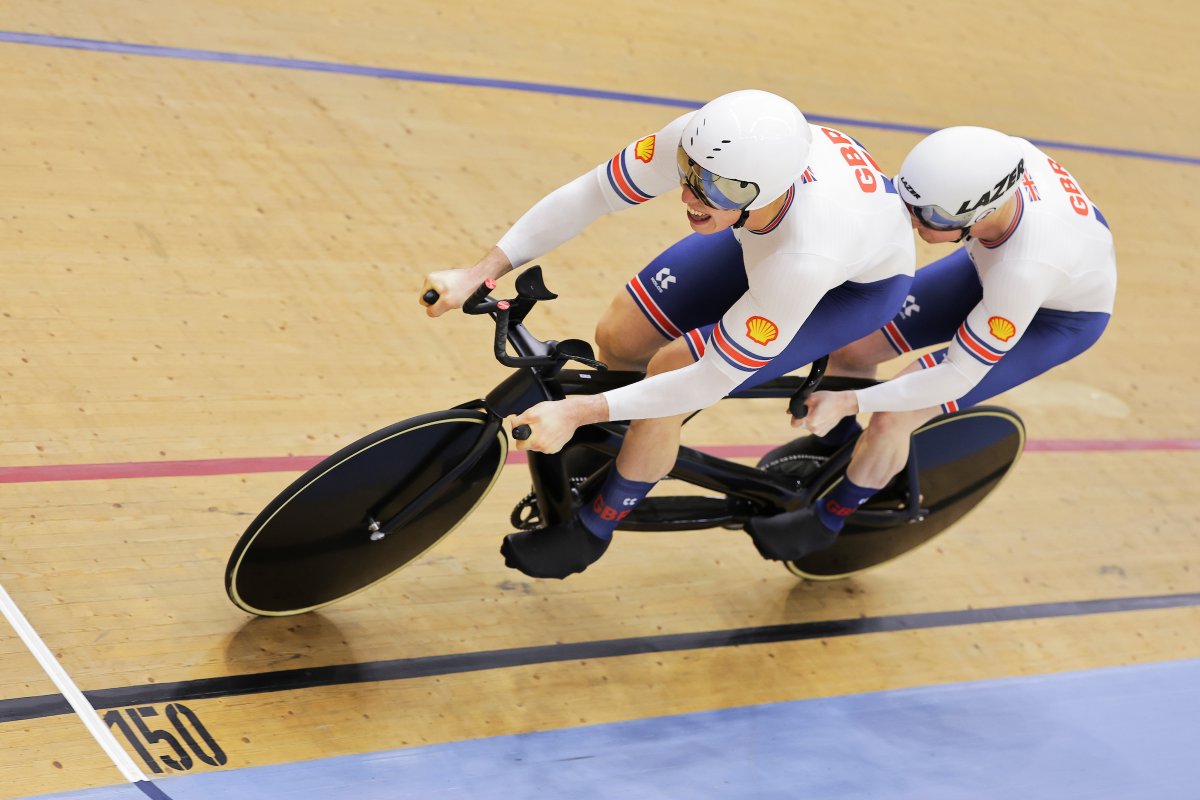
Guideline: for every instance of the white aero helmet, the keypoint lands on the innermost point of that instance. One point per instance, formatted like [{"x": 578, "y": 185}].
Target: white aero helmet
[
  {"x": 743, "y": 150},
  {"x": 955, "y": 177}
]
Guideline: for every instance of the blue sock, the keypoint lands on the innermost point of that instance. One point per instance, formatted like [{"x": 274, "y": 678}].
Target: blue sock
[
  {"x": 842, "y": 432},
  {"x": 843, "y": 501},
  {"x": 616, "y": 498}
]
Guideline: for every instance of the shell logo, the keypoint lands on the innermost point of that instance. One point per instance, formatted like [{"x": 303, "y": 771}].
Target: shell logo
[
  {"x": 1001, "y": 328},
  {"x": 762, "y": 330},
  {"x": 643, "y": 151}
]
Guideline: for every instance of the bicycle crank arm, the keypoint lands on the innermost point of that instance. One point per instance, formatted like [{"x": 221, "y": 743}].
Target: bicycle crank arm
[
  {"x": 683, "y": 513},
  {"x": 892, "y": 517}
]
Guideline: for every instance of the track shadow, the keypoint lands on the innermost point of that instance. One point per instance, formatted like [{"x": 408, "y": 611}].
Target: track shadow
[{"x": 273, "y": 643}]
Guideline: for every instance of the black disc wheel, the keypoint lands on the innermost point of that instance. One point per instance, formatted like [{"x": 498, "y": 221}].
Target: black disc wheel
[
  {"x": 315, "y": 543},
  {"x": 961, "y": 458}
]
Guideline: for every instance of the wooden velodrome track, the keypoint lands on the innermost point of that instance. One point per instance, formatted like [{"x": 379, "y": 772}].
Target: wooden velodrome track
[{"x": 209, "y": 263}]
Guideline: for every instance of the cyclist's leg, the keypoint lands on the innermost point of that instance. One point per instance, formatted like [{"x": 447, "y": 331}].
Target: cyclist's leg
[
  {"x": 625, "y": 337},
  {"x": 880, "y": 453},
  {"x": 861, "y": 359},
  {"x": 844, "y": 312},
  {"x": 929, "y": 315},
  {"x": 690, "y": 284},
  {"x": 693, "y": 282},
  {"x": 942, "y": 295},
  {"x": 882, "y": 449},
  {"x": 843, "y": 316},
  {"x": 650, "y": 447},
  {"x": 1052, "y": 338},
  {"x": 647, "y": 454}
]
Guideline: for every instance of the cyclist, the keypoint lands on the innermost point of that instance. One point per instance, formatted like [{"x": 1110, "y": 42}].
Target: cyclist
[
  {"x": 1032, "y": 287},
  {"x": 800, "y": 245}
]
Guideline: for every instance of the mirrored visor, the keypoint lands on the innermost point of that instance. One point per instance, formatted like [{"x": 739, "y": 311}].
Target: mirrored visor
[
  {"x": 938, "y": 218},
  {"x": 727, "y": 194}
]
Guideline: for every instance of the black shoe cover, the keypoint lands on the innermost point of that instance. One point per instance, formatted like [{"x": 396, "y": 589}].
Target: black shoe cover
[
  {"x": 553, "y": 552},
  {"x": 790, "y": 535}
]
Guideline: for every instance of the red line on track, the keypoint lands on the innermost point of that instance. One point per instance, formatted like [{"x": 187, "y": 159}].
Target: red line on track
[
  {"x": 244, "y": 466},
  {"x": 156, "y": 469}
]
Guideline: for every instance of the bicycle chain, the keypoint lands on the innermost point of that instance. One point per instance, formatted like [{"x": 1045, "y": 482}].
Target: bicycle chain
[
  {"x": 800, "y": 466},
  {"x": 529, "y": 503}
]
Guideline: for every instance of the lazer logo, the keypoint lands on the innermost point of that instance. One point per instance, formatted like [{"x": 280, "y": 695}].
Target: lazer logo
[
  {"x": 663, "y": 279},
  {"x": 911, "y": 190},
  {"x": 1002, "y": 186}
]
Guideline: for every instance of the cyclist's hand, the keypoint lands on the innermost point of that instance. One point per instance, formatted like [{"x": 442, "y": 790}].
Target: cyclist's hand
[
  {"x": 553, "y": 422},
  {"x": 826, "y": 409},
  {"x": 453, "y": 287}
]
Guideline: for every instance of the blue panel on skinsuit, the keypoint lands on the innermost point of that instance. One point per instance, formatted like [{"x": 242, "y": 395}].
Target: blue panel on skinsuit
[{"x": 1126, "y": 733}]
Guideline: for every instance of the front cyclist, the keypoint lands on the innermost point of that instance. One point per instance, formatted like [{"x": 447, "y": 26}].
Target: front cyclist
[
  {"x": 800, "y": 246},
  {"x": 1032, "y": 288}
]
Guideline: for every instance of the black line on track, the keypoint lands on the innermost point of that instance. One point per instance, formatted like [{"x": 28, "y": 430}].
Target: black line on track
[{"x": 27, "y": 708}]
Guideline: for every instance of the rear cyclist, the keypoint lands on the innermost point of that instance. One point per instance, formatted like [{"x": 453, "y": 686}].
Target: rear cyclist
[
  {"x": 800, "y": 246},
  {"x": 1032, "y": 287}
]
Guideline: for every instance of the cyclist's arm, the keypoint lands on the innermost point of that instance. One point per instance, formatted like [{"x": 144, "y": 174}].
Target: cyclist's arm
[
  {"x": 1011, "y": 297},
  {"x": 784, "y": 290},
  {"x": 642, "y": 170}
]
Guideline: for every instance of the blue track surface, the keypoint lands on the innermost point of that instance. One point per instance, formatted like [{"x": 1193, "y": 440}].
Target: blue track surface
[{"x": 1126, "y": 733}]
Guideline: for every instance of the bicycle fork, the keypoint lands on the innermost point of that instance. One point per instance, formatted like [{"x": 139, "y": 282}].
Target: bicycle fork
[
  {"x": 519, "y": 391},
  {"x": 420, "y": 504}
]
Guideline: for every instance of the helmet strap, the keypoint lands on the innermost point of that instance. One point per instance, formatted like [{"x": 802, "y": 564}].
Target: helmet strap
[{"x": 742, "y": 219}]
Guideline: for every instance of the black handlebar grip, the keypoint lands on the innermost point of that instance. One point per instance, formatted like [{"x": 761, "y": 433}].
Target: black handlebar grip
[
  {"x": 815, "y": 373},
  {"x": 479, "y": 295},
  {"x": 522, "y": 432},
  {"x": 501, "y": 339},
  {"x": 430, "y": 297},
  {"x": 797, "y": 408}
]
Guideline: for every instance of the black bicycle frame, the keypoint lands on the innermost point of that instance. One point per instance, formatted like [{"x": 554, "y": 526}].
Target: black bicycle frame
[
  {"x": 763, "y": 492},
  {"x": 540, "y": 376}
]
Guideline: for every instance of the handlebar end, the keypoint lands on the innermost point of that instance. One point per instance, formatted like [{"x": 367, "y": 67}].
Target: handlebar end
[
  {"x": 815, "y": 373},
  {"x": 522, "y": 432}
]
